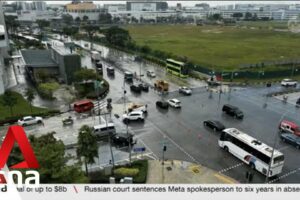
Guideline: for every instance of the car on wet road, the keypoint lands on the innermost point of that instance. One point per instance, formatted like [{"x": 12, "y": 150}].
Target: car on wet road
[{"x": 214, "y": 125}]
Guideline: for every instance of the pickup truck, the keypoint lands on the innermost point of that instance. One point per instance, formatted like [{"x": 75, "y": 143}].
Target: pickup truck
[{"x": 137, "y": 107}]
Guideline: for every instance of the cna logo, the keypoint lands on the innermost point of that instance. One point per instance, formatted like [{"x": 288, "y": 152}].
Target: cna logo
[{"x": 17, "y": 134}]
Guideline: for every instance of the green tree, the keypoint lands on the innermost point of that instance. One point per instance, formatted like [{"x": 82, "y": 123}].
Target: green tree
[
  {"x": 91, "y": 30},
  {"x": 248, "y": 15},
  {"x": 70, "y": 30},
  {"x": 105, "y": 18},
  {"x": 66, "y": 18},
  {"x": 30, "y": 95},
  {"x": 42, "y": 76},
  {"x": 9, "y": 100},
  {"x": 85, "y": 18},
  {"x": 11, "y": 23},
  {"x": 85, "y": 75},
  {"x": 117, "y": 36},
  {"x": 87, "y": 146},
  {"x": 46, "y": 89},
  {"x": 216, "y": 16},
  {"x": 42, "y": 23},
  {"x": 77, "y": 20},
  {"x": 237, "y": 15},
  {"x": 50, "y": 154}
]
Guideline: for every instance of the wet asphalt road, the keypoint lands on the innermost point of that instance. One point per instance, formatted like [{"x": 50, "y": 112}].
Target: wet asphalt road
[{"x": 183, "y": 133}]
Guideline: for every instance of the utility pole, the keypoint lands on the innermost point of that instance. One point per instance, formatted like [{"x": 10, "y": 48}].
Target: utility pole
[
  {"x": 293, "y": 69},
  {"x": 109, "y": 140},
  {"x": 129, "y": 142},
  {"x": 97, "y": 90},
  {"x": 124, "y": 97}
]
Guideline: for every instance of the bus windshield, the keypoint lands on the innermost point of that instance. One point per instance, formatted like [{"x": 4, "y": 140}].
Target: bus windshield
[{"x": 278, "y": 159}]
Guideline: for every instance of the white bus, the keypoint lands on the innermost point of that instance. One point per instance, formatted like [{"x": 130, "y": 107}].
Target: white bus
[{"x": 251, "y": 151}]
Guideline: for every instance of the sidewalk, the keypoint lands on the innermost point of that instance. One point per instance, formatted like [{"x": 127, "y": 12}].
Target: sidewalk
[{"x": 183, "y": 172}]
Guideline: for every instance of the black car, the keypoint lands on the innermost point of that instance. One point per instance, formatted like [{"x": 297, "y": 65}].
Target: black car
[
  {"x": 233, "y": 111},
  {"x": 135, "y": 88},
  {"x": 162, "y": 104},
  {"x": 291, "y": 139},
  {"x": 99, "y": 68},
  {"x": 144, "y": 87},
  {"x": 110, "y": 71},
  {"x": 123, "y": 140},
  {"x": 214, "y": 124},
  {"x": 298, "y": 102}
]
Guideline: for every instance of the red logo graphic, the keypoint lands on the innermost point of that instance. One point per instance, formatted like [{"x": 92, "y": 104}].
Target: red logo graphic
[{"x": 17, "y": 134}]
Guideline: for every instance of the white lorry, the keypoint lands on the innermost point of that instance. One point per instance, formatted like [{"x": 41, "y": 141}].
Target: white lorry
[{"x": 96, "y": 56}]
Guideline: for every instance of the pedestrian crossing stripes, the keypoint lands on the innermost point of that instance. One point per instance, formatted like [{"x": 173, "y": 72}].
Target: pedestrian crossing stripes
[
  {"x": 285, "y": 175},
  {"x": 230, "y": 168}
]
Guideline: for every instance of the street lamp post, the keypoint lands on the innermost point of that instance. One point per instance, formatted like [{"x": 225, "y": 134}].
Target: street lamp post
[{"x": 273, "y": 148}]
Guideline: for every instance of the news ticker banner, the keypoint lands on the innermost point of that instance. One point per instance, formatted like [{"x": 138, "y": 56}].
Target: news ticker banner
[{"x": 151, "y": 191}]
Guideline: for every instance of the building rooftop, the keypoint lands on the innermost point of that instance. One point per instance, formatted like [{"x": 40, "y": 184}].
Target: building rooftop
[
  {"x": 38, "y": 58},
  {"x": 63, "y": 48}
]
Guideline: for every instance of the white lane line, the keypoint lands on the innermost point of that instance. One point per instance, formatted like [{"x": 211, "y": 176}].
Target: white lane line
[
  {"x": 177, "y": 145},
  {"x": 149, "y": 149},
  {"x": 285, "y": 175},
  {"x": 231, "y": 167}
]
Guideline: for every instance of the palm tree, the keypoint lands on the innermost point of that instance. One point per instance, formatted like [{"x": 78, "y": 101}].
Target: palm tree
[
  {"x": 87, "y": 146},
  {"x": 30, "y": 95}
]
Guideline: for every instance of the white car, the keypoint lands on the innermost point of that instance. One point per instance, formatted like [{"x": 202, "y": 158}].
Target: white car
[
  {"x": 151, "y": 74},
  {"x": 288, "y": 82},
  {"x": 133, "y": 116},
  {"x": 30, "y": 120},
  {"x": 174, "y": 103},
  {"x": 185, "y": 90}
]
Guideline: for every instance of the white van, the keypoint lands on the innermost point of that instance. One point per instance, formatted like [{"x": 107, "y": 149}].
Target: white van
[{"x": 104, "y": 129}]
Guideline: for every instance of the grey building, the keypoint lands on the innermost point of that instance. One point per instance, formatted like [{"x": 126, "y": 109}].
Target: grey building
[
  {"x": 39, "y": 61},
  {"x": 59, "y": 62},
  {"x": 146, "y": 6},
  {"x": 67, "y": 60},
  {"x": 3, "y": 51}
]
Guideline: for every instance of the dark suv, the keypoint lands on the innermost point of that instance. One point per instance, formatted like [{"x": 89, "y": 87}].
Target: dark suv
[
  {"x": 122, "y": 140},
  {"x": 136, "y": 88},
  {"x": 233, "y": 111}
]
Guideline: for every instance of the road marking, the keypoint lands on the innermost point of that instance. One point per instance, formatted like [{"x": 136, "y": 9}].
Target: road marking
[
  {"x": 230, "y": 168},
  {"x": 148, "y": 148},
  {"x": 285, "y": 175},
  {"x": 177, "y": 145},
  {"x": 224, "y": 179}
]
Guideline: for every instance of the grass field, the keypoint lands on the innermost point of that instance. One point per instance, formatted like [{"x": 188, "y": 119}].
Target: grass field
[
  {"x": 219, "y": 47},
  {"x": 21, "y": 108}
]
